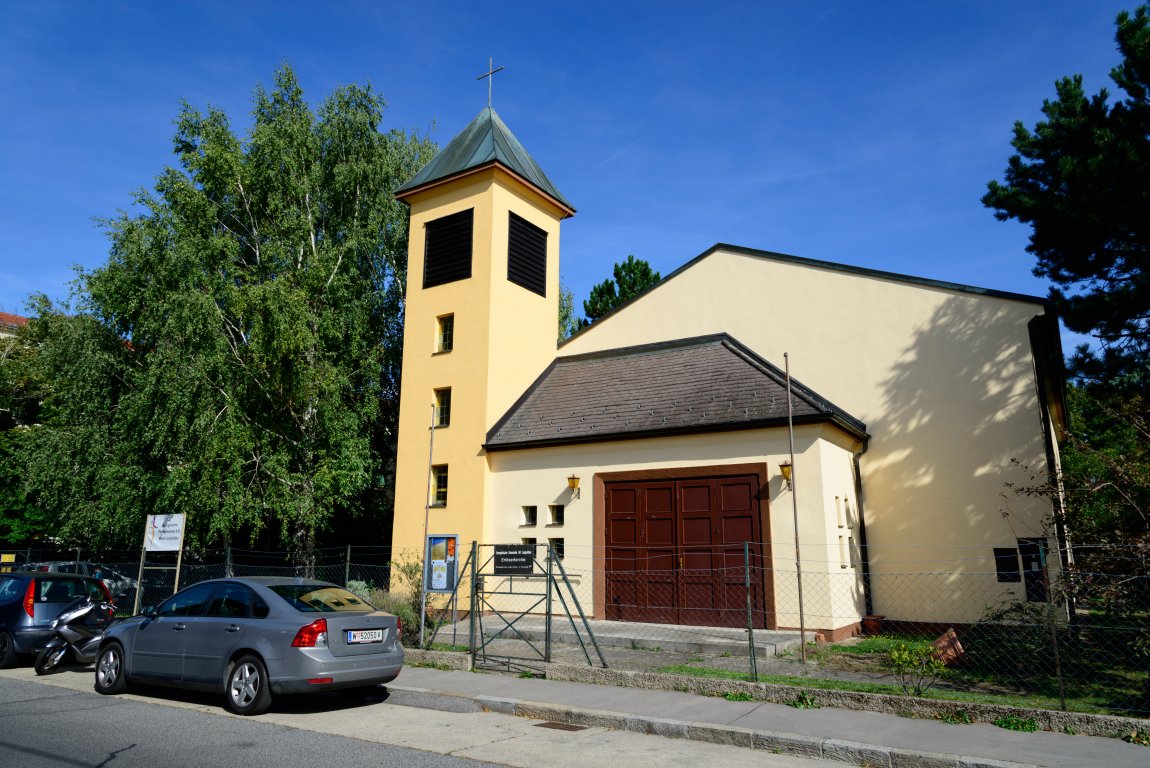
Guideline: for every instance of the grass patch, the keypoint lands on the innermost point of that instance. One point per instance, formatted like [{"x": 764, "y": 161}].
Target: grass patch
[
  {"x": 449, "y": 647},
  {"x": 805, "y": 700},
  {"x": 740, "y": 696},
  {"x": 1016, "y": 723}
]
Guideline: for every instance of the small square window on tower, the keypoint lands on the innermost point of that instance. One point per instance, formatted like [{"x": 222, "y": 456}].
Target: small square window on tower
[
  {"x": 439, "y": 473},
  {"x": 528, "y": 541},
  {"x": 444, "y": 333},
  {"x": 557, "y": 546},
  {"x": 556, "y": 511},
  {"x": 530, "y": 515},
  {"x": 443, "y": 407}
]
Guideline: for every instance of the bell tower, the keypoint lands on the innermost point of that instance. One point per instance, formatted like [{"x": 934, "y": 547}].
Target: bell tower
[{"x": 481, "y": 321}]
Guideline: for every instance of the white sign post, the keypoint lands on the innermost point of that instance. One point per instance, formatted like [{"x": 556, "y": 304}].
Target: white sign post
[{"x": 163, "y": 533}]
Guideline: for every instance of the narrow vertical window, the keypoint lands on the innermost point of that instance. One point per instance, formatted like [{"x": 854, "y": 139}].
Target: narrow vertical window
[
  {"x": 530, "y": 515},
  {"x": 1006, "y": 564},
  {"x": 447, "y": 249},
  {"x": 443, "y": 407},
  {"x": 556, "y": 511},
  {"x": 444, "y": 333},
  {"x": 557, "y": 547},
  {"x": 439, "y": 472},
  {"x": 527, "y": 255}
]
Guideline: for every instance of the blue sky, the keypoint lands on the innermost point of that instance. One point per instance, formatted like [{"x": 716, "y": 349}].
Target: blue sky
[{"x": 861, "y": 133}]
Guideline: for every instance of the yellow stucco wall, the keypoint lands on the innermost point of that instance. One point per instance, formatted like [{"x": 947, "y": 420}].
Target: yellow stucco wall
[
  {"x": 505, "y": 336},
  {"x": 943, "y": 380},
  {"x": 832, "y": 595}
]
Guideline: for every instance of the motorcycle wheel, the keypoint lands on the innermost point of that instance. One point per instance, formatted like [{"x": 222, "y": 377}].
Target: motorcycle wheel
[{"x": 49, "y": 659}]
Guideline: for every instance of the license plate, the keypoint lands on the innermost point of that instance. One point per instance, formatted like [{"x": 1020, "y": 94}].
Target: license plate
[{"x": 364, "y": 636}]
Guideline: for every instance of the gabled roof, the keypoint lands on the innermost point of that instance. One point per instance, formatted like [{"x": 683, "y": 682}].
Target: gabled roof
[
  {"x": 486, "y": 141},
  {"x": 703, "y": 384},
  {"x": 830, "y": 266}
]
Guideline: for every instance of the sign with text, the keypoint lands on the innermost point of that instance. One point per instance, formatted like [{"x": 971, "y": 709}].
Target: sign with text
[
  {"x": 165, "y": 533},
  {"x": 514, "y": 560},
  {"x": 441, "y": 564}
]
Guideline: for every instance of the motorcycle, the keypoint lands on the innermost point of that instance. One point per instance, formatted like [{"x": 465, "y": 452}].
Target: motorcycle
[{"x": 79, "y": 629}]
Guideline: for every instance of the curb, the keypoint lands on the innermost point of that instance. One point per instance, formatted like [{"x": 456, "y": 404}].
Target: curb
[{"x": 854, "y": 753}]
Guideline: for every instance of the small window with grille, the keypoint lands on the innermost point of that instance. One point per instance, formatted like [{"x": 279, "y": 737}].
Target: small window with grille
[
  {"x": 557, "y": 546},
  {"x": 444, "y": 333},
  {"x": 439, "y": 472},
  {"x": 443, "y": 407}
]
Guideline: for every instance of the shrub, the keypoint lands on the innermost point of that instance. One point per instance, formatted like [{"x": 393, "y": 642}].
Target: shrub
[{"x": 917, "y": 667}]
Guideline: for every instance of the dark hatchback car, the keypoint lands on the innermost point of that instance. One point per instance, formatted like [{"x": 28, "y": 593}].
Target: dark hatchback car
[
  {"x": 251, "y": 637},
  {"x": 28, "y": 603}
]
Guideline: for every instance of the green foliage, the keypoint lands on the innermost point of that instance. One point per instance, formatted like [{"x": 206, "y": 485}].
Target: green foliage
[
  {"x": 805, "y": 700},
  {"x": 1017, "y": 723},
  {"x": 738, "y": 696},
  {"x": 1080, "y": 179},
  {"x": 632, "y": 277},
  {"x": 237, "y": 358},
  {"x": 567, "y": 322},
  {"x": 917, "y": 667},
  {"x": 1138, "y": 737},
  {"x": 955, "y": 717}
]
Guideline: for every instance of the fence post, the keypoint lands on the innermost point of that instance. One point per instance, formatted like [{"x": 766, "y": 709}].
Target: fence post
[
  {"x": 473, "y": 582},
  {"x": 347, "y": 566},
  {"x": 547, "y": 626},
  {"x": 750, "y": 614},
  {"x": 228, "y": 570}
]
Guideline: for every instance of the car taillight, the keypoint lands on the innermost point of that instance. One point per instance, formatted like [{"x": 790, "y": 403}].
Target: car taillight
[
  {"x": 107, "y": 592},
  {"x": 30, "y": 599},
  {"x": 398, "y": 627},
  {"x": 314, "y": 635}
]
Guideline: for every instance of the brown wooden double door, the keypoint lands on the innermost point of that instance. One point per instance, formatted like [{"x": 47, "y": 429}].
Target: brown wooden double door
[{"x": 674, "y": 551}]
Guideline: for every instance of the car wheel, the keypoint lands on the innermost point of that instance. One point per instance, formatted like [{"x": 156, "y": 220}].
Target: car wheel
[
  {"x": 248, "y": 692},
  {"x": 49, "y": 660},
  {"x": 111, "y": 677},
  {"x": 7, "y": 651}
]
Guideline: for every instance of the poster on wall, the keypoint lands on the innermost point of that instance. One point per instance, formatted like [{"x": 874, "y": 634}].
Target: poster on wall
[{"x": 441, "y": 563}]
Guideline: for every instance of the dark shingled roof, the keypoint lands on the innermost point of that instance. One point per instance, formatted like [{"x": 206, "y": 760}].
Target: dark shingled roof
[
  {"x": 485, "y": 141},
  {"x": 704, "y": 384}
]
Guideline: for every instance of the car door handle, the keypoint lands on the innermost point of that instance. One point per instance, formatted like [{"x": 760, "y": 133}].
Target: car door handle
[
  {"x": 232, "y": 628},
  {"x": 179, "y": 627}
]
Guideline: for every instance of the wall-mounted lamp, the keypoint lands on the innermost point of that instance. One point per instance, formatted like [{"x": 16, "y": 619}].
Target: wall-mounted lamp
[
  {"x": 788, "y": 472},
  {"x": 573, "y": 484}
]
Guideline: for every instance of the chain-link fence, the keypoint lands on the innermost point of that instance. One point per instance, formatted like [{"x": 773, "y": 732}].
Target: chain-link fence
[{"x": 955, "y": 627}]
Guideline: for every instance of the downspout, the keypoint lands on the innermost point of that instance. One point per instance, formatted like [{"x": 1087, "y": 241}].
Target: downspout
[{"x": 868, "y": 596}]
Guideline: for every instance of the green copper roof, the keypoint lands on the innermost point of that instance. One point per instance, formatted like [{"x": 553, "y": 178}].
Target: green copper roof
[{"x": 486, "y": 140}]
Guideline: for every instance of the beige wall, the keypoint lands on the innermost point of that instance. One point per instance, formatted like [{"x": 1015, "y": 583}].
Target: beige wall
[
  {"x": 823, "y": 461},
  {"x": 505, "y": 336},
  {"x": 943, "y": 380}
]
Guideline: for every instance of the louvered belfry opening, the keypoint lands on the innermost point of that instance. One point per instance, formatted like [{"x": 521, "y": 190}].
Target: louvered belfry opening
[
  {"x": 527, "y": 255},
  {"x": 447, "y": 253}
]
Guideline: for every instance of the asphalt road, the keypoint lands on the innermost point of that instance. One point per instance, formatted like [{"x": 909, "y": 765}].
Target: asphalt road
[
  {"x": 58, "y": 722},
  {"x": 50, "y": 727}
]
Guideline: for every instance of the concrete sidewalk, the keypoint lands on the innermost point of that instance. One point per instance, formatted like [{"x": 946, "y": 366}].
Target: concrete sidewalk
[{"x": 854, "y": 737}]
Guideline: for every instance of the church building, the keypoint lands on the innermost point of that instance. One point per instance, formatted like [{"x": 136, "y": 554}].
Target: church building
[{"x": 652, "y": 449}]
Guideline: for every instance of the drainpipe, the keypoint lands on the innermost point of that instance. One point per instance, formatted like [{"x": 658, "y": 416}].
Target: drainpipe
[{"x": 868, "y": 596}]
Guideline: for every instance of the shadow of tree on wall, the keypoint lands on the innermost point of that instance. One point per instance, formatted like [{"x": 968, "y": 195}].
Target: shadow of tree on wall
[{"x": 960, "y": 415}]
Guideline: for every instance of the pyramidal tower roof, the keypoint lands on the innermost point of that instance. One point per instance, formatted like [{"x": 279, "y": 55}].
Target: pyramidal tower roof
[{"x": 486, "y": 141}]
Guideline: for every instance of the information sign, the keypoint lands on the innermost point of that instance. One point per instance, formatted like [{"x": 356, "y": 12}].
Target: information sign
[
  {"x": 514, "y": 560},
  {"x": 442, "y": 564},
  {"x": 165, "y": 533}
]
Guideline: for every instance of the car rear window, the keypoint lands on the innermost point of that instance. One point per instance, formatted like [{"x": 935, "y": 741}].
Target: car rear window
[
  {"x": 67, "y": 590},
  {"x": 320, "y": 598},
  {"x": 11, "y": 587}
]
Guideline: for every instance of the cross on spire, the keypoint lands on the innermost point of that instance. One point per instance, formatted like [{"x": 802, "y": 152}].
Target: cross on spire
[{"x": 490, "y": 75}]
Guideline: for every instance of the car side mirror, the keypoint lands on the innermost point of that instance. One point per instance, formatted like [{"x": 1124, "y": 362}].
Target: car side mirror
[{"x": 149, "y": 611}]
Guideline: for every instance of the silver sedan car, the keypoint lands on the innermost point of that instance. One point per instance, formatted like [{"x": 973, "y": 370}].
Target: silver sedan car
[{"x": 251, "y": 637}]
